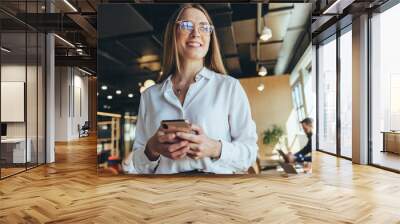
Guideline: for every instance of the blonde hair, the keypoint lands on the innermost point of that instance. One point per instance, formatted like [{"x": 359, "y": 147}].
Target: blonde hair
[{"x": 171, "y": 61}]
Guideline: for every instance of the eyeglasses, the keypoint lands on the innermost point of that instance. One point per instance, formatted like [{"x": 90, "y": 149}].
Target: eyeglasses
[{"x": 188, "y": 26}]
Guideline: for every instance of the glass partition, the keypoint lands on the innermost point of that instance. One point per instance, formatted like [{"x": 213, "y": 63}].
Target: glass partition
[
  {"x": 22, "y": 87},
  {"x": 13, "y": 94}
]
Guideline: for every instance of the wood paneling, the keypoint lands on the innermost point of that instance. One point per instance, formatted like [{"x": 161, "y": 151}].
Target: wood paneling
[
  {"x": 272, "y": 106},
  {"x": 70, "y": 191},
  {"x": 92, "y": 98}
]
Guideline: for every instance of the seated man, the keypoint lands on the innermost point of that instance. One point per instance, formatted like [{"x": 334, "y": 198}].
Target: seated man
[{"x": 304, "y": 155}]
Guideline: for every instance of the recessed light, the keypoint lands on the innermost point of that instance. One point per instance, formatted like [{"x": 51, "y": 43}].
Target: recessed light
[
  {"x": 263, "y": 71},
  {"x": 84, "y": 71},
  {"x": 70, "y": 5},
  {"x": 109, "y": 97},
  {"x": 118, "y": 92},
  {"x": 130, "y": 95},
  {"x": 5, "y": 50},
  {"x": 64, "y": 40},
  {"x": 104, "y": 87},
  {"x": 260, "y": 87}
]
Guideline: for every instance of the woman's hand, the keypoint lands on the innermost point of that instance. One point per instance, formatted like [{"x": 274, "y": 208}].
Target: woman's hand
[
  {"x": 200, "y": 145},
  {"x": 166, "y": 143}
]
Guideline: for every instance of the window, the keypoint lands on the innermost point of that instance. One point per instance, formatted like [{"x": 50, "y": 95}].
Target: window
[
  {"x": 298, "y": 99},
  {"x": 346, "y": 94},
  {"x": 385, "y": 89},
  {"x": 327, "y": 96}
]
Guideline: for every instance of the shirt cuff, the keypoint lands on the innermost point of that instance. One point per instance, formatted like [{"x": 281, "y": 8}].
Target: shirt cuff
[
  {"x": 226, "y": 153},
  {"x": 143, "y": 164}
]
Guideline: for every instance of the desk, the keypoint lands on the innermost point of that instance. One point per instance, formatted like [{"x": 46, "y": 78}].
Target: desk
[
  {"x": 13, "y": 150},
  {"x": 391, "y": 141}
]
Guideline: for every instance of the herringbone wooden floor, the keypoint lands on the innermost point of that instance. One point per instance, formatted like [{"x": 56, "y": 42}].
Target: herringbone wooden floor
[{"x": 70, "y": 191}]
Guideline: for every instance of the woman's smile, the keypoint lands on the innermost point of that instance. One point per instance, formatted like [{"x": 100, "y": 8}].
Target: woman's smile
[{"x": 194, "y": 44}]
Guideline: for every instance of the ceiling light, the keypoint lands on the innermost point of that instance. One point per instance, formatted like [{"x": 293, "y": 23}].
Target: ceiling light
[
  {"x": 84, "y": 71},
  {"x": 109, "y": 97},
  {"x": 130, "y": 95},
  {"x": 70, "y": 5},
  {"x": 118, "y": 92},
  {"x": 260, "y": 87},
  {"x": 64, "y": 40},
  {"x": 266, "y": 34},
  {"x": 104, "y": 87},
  {"x": 148, "y": 83},
  {"x": 5, "y": 50},
  {"x": 263, "y": 71},
  {"x": 335, "y": 8}
]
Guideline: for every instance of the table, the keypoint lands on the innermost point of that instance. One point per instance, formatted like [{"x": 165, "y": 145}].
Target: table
[
  {"x": 391, "y": 141},
  {"x": 13, "y": 150}
]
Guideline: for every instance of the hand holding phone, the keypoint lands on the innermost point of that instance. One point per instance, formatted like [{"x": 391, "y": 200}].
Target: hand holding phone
[
  {"x": 173, "y": 126},
  {"x": 165, "y": 142}
]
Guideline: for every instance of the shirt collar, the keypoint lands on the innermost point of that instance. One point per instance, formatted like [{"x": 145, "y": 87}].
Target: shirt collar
[{"x": 204, "y": 72}]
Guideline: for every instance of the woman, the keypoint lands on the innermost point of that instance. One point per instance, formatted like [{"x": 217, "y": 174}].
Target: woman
[{"x": 194, "y": 86}]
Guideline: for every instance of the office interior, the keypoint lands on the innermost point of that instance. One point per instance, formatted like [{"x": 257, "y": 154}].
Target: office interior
[
  {"x": 358, "y": 81},
  {"x": 53, "y": 104},
  {"x": 45, "y": 97},
  {"x": 331, "y": 51}
]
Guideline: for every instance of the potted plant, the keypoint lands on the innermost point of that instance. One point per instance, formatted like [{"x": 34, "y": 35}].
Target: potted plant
[{"x": 271, "y": 137}]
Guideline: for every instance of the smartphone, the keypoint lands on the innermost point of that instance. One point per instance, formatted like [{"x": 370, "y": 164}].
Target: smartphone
[{"x": 179, "y": 125}]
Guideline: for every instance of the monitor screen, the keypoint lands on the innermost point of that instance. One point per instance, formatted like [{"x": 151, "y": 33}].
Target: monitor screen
[{"x": 3, "y": 129}]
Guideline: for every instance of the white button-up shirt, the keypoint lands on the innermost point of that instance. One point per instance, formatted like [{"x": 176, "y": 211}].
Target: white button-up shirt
[{"x": 215, "y": 102}]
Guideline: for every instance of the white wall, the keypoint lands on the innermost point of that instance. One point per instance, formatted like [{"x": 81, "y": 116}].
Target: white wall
[
  {"x": 33, "y": 126},
  {"x": 71, "y": 94}
]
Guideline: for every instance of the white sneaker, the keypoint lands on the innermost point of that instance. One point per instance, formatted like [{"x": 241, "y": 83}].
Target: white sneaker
[{"x": 128, "y": 168}]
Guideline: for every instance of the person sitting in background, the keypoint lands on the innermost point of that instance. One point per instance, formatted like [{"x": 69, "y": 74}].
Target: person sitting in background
[{"x": 304, "y": 155}]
